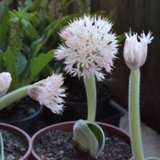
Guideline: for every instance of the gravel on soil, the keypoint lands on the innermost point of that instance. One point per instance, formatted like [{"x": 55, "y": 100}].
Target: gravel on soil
[
  {"x": 58, "y": 145},
  {"x": 14, "y": 146}
]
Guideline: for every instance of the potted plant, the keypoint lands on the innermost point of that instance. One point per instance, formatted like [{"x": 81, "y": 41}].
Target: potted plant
[
  {"x": 37, "y": 88},
  {"x": 89, "y": 47},
  {"x": 14, "y": 143},
  {"x": 135, "y": 53},
  {"x": 26, "y": 50}
]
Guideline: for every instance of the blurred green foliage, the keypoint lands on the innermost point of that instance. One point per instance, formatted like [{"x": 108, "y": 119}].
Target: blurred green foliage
[{"x": 28, "y": 35}]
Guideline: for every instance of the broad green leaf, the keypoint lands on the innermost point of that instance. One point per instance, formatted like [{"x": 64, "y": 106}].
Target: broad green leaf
[
  {"x": 9, "y": 59},
  {"x": 99, "y": 134},
  {"x": 20, "y": 64},
  {"x": 84, "y": 137},
  {"x": 39, "y": 63},
  {"x": 89, "y": 136}
]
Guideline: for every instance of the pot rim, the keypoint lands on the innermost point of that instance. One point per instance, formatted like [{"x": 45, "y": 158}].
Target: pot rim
[
  {"x": 24, "y": 136},
  {"x": 39, "y": 109},
  {"x": 34, "y": 137}
]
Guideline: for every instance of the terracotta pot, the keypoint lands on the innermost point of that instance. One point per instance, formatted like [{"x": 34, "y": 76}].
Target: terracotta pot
[
  {"x": 22, "y": 134},
  {"x": 68, "y": 126},
  {"x": 148, "y": 158}
]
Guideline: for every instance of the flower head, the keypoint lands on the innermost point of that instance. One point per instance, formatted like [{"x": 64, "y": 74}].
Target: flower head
[
  {"x": 49, "y": 92},
  {"x": 90, "y": 46},
  {"x": 5, "y": 82},
  {"x": 135, "y": 49}
]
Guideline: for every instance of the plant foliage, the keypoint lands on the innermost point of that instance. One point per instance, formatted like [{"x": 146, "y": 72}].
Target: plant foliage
[{"x": 28, "y": 35}]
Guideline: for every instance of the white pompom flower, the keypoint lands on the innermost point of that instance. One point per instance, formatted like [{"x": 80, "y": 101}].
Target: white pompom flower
[
  {"x": 5, "y": 82},
  {"x": 49, "y": 92},
  {"x": 135, "y": 49},
  {"x": 90, "y": 47}
]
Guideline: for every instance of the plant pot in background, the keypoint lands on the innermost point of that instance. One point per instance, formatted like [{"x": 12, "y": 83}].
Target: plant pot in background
[
  {"x": 76, "y": 105},
  {"x": 24, "y": 114},
  {"x": 66, "y": 127},
  {"x": 15, "y": 140}
]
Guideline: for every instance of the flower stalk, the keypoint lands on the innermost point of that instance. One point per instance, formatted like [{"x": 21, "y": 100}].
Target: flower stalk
[
  {"x": 90, "y": 85},
  {"x": 134, "y": 114},
  {"x": 13, "y": 96}
]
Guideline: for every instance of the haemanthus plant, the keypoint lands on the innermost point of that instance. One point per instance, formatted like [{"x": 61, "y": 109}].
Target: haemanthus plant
[
  {"x": 89, "y": 48},
  {"x": 135, "y": 53}
]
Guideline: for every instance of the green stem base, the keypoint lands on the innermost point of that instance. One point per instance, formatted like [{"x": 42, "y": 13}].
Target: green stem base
[{"x": 134, "y": 115}]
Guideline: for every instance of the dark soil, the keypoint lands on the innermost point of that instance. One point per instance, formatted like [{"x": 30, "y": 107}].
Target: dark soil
[
  {"x": 58, "y": 145},
  {"x": 14, "y": 146}
]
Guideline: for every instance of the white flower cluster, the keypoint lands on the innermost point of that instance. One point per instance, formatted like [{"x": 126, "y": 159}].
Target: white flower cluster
[
  {"x": 135, "y": 49},
  {"x": 5, "y": 82},
  {"x": 90, "y": 46},
  {"x": 49, "y": 92}
]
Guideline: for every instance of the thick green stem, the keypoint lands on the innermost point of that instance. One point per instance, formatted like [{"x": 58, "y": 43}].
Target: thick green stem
[
  {"x": 13, "y": 96},
  {"x": 90, "y": 86},
  {"x": 134, "y": 114}
]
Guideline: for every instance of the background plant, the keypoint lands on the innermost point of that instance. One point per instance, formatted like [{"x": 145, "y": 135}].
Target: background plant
[{"x": 28, "y": 36}]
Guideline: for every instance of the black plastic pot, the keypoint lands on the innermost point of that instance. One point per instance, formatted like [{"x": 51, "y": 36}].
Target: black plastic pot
[
  {"x": 76, "y": 106},
  {"x": 112, "y": 114},
  {"x": 15, "y": 115}
]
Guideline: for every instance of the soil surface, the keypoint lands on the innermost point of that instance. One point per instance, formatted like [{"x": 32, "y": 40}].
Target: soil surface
[
  {"x": 58, "y": 145},
  {"x": 14, "y": 146}
]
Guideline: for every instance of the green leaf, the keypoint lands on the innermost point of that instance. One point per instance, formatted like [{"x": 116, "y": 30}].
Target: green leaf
[
  {"x": 98, "y": 132},
  {"x": 51, "y": 30},
  {"x": 9, "y": 59},
  {"x": 84, "y": 137},
  {"x": 4, "y": 22},
  {"x": 89, "y": 137},
  {"x": 20, "y": 64},
  {"x": 39, "y": 63},
  {"x": 1, "y": 147}
]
